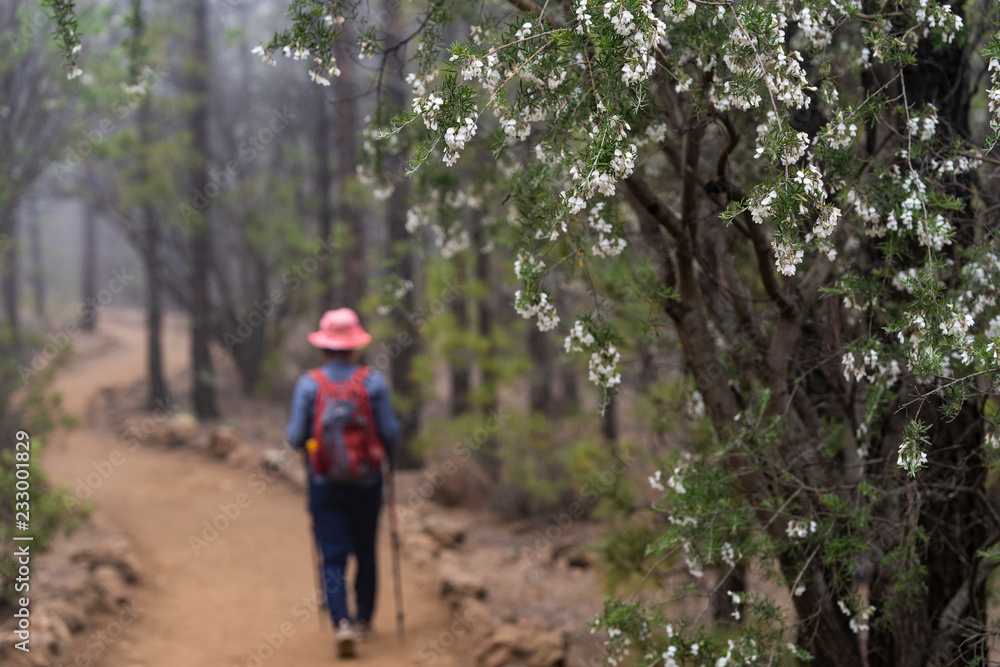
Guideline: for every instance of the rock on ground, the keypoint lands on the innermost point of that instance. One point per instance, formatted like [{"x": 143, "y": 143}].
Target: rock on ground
[
  {"x": 458, "y": 582},
  {"x": 527, "y": 643},
  {"x": 447, "y": 531},
  {"x": 182, "y": 429},
  {"x": 84, "y": 576}
]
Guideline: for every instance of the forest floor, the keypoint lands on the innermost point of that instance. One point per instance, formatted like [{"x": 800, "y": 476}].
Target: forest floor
[{"x": 251, "y": 587}]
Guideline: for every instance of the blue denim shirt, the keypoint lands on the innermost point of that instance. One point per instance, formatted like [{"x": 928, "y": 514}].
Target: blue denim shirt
[{"x": 304, "y": 401}]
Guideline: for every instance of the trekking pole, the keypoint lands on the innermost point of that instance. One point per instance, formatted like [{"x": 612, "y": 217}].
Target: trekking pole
[
  {"x": 394, "y": 536},
  {"x": 317, "y": 558},
  {"x": 320, "y": 580}
]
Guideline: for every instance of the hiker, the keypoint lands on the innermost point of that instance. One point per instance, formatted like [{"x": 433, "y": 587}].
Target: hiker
[{"x": 345, "y": 492}]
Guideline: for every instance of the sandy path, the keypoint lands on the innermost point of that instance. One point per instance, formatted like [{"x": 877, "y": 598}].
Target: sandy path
[{"x": 247, "y": 596}]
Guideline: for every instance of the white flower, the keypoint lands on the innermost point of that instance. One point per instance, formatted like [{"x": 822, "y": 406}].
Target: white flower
[
  {"x": 800, "y": 528},
  {"x": 761, "y": 210},
  {"x": 579, "y": 338},
  {"x": 655, "y": 483},
  {"x": 728, "y": 554},
  {"x": 786, "y": 257},
  {"x": 473, "y": 69},
  {"x": 538, "y": 305},
  {"x": 604, "y": 367},
  {"x": 318, "y": 78}
]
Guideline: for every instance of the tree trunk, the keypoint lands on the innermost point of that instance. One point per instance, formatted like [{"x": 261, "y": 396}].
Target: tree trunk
[
  {"x": 406, "y": 393},
  {"x": 250, "y": 353},
  {"x": 203, "y": 392},
  {"x": 402, "y": 263},
  {"x": 349, "y": 216},
  {"x": 37, "y": 266},
  {"x": 542, "y": 352},
  {"x": 10, "y": 271},
  {"x": 157, "y": 392},
  {"x": 460, "y": 368},
  {"x": 327, "y": 298},
  {"x": 88, "y": 282},
  {"x": 485, "y": 307}
]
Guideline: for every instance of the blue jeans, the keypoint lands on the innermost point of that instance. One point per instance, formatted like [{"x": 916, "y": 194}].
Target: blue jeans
[{"x": 345, "y": 521}]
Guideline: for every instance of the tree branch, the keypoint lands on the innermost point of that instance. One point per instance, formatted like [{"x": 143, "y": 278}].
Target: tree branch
[{"x": 639, "y": 189}]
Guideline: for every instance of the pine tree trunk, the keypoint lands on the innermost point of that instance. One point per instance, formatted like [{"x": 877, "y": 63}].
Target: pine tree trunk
[
  {"x": 406, "y": 394},
  {"x": 402, "y": 263},
  {"x": 353, "y": 253},
  {"x": 9, "y": 272},
  {"x": 88, "y": 282},
  {"x": 37, "y": 265},
  {"x": 157, "y": 393},
  {"x": 324, "y": 218},
  {"x": 542, "y": 352},
  {"x": 460, "y": 368},
  {"x": 203, "y": 392}
]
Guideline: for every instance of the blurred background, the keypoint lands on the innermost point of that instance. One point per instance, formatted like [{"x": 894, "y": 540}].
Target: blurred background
[{"x": 174, "y": 221}]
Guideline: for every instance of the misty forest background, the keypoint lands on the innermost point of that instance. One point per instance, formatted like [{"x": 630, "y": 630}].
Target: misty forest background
[{"x": 179, "y": 174}]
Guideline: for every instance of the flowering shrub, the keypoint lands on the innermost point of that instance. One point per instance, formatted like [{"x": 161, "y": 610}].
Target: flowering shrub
[
  {"x": 810, "y": 179},
  {"x": 805, "y": 176}
]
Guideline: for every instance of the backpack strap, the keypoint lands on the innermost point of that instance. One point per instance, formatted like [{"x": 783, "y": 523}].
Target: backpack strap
[
  {"x": 357, "y": 379},
  {"x": 322, "y": 381}
]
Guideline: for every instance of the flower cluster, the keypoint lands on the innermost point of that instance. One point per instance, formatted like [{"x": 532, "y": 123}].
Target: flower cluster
[
  {"x": 419, "y": 82},
  {"x": 607, "y": 244},
  {"x": 604, "y": 367},
  {"x": 325, "y": 68},
  {"x": 793, "y": 144},
  {"x": 367, "y": 47},
  {"x": 417, "y": 217},
  {"x": 760, "y": 55},
  {"x": 429, "y": 109},
  {"x": 456, "y": 137},
  {"x": 826, "y": 223},
  {"x": 939, "y": 18},
  {"x": 839, "y": 132},
  {"x": 922, "y": 128},
  {"x": 536, "y": 304},
  {"x": 912, "y": 454},
  {"x": 859, "y": 620},
  {"x": 868, "y": 214},
  {"x": 654, "y": 481},
  {"x": 728, "y": 554},
  {"x": 528, "y": 268},
  {"x": 583, "y": 17},
  {"x": 786, "y": 256},
  {"x": 588, "y": 183},
  {"x": 866, "y": 364},
  {"x": 800, "y": 528},
  {"x": 641, "y": 34},
  {"x": 679, "y": 10},
  {"x": 959, "y": 164},
  {"x": 760, "y": 210},
  {"x": 453, "y": 243}
]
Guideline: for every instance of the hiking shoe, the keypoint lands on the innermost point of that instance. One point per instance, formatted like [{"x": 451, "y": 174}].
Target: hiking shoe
[
  {"x": 364, "y": 630},
  {"x": 345, "y": 640}
]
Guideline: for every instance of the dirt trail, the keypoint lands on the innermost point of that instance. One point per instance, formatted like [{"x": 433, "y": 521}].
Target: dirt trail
[{"x": 249, "y": 589}]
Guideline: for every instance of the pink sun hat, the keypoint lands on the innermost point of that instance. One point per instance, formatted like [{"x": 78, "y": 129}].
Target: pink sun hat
[{"x": 340, "y": 330}]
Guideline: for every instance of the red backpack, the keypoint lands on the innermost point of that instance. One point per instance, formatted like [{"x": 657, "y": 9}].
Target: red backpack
[{"x": 347, "y": 446}]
